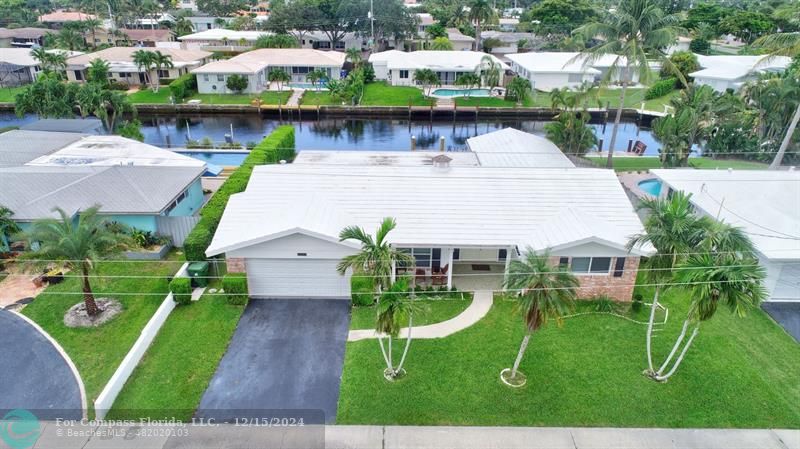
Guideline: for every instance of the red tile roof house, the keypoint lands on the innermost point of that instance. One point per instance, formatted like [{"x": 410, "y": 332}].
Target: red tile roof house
[
  {"x": 147, "y": 37},
  {"x": 58, "y": 18}
]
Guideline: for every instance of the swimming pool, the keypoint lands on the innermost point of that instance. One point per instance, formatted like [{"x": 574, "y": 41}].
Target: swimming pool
[
  {"x": 460, "y": 92},
  {"x": 320, "y": 86},
  {"x": 218, "y": 158},
  {"x": 651, "y": 186}
]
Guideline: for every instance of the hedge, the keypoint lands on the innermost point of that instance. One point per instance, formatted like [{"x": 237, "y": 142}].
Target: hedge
[
  {"x": 235, "y": 287},
  {"x": 183, "y": 86},
  {"x": 275, "y": 147},
  {"x": 362, "y": 290},
  {"x": 660, "y": 88},
  {"x": 181, "y": 288}
]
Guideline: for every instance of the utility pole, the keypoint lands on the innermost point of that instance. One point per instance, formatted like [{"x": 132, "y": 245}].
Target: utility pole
[{"x": 372, "y": 24}]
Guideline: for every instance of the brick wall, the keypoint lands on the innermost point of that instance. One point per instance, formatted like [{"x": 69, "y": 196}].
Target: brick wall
[
  {"x": 235, "y": 265},
  {"x": 618, "y": 288}
]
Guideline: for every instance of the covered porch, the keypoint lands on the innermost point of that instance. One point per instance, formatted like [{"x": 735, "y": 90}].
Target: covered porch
[{"x": 465, "y": 268}]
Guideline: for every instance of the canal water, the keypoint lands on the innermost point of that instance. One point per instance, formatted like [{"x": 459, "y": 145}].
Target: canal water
[{"x": 345, "y": 134}]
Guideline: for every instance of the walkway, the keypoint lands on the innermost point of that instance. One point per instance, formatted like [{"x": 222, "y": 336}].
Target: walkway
[
  {"x": 294, "y": 100},
  {"x": 413, "y": 437},
  {"x": 481, "y": 303},
  {"x": 17, "y": 286}
]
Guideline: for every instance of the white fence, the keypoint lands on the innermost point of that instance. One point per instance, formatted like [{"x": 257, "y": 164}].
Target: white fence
[
  {"x": 176, "y": 227},
  {"x": 106, "y": 399}
]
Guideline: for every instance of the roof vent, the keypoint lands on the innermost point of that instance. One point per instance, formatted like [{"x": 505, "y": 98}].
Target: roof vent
[
  {"x": 282, "y": 162},
  {"x": 441, "y": 162}
]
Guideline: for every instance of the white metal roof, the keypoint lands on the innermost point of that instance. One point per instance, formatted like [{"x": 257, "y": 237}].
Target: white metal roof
[
  {"x": 511, "y": 147},
  {"x": 434, "y": 60},
  {"x": 732, "y": 67},
  {"x": 18, "y": 56},
  {"x": 122, "y": 57},
  {"x": 384, "y": 158},
  {"x": 254, "y": 61},
  {"x": 461, "y": 206},
  {"x": 218, "y": 34},
  {"x": 552, "y": 62},
  {"x": 766, "y": 204}
]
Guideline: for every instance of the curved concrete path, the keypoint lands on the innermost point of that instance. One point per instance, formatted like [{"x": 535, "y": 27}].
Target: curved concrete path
[
  {"x": 481, "y": 303},
  {"x": 37, "y": 375}
]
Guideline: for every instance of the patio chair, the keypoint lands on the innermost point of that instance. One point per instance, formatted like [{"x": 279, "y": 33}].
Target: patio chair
[
  {"x": 420, "y": 276},
  {"x": 440, "y": 278}
]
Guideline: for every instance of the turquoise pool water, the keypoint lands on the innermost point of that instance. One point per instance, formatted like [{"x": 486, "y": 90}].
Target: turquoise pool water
[
  {"x": 320, "y": 86},
  {"x": 461, "y": 92},
  {"x": 651, "y": 186}
]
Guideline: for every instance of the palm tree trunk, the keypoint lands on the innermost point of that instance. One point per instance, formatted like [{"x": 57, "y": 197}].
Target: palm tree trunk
[
  {"x": 478, "y": 35},
  {"x": 649, "y": 337},
  {"x": 786, "y": 139},
  {"x": 674, "y": 348},
  {"x": 617, "y": 119},
  {"x": 408, "y": 344},
  {"x": 88, "y": 296},
  {"x": 661, "y": 378},
  {"x": 383, "y": 352},
  {"x": 521, "y": 352},
  {"x": 391, "y": 363}
]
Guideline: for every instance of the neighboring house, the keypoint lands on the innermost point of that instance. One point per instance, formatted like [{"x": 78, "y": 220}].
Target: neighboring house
[
  {"x": 283, "y": 230},
  {"x": 397, "y": 67},
  {"x": 57, "y": 19},
  {"x": 137, "y": 184},
  {"x": 122, "y": 68},
  {"x": 202, "y": 23},
  {"x": 187, "y": 5},
  {"x": 153, "y": 22},
  {"x": 317, "y": 40},
  {"x": 424, "y": 21},
  {"x": 508, "y": 24},
  {"x": 23, "y": 37},
  {"x": 509, "y": 41},
  {"x": 460, "y": 41},
  {"x": 17, "y": 67},
  {"x": 146, "y": 37},
  {"x": 556, "y": 70},
  {"x": 66, "y": 125},
  {"x": 220, "y": 39},
  {"x": 732, "y": 71},
  {"x": 681, "y": 44},
  {"x": 256, "y": 65},
  {"x": 763, "y": 203}
]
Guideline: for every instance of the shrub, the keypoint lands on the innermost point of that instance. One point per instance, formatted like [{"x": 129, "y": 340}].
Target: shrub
[
  {"x": 118, "y": 85},
  {"x": 235, "y": 286},
  {"x": 660, "y": 88},
  {"x": 636, "y": 304},
  {"x": 700, "y": 46},
  {"x": 183, "y": 87},
  {"x": 604, "y": 304},
  {"x": 236, "y": 83},
  {"x": 181, "y": 288},
  {"x": 275, "y": 147},
  {"x": 685, "y": 62},
  {"x": 362, "y": 290}
]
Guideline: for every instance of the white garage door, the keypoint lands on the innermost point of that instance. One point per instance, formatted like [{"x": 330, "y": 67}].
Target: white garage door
[{"x": 305, "y": 278}]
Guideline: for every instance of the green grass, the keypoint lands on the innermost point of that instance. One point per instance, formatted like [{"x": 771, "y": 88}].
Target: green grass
[
  {"x": 97, "y": 352},
  {"x": 147, "y": 96},
  {"x": 8, "y": 94},
  {"x": 322, "y": 98},
  {"x": 490, "y": 102},
  {"x": 739, "y": 373},
  {"x": 437, "y": 310},
  {"x": 178, "y": 366},
  {"x": 381, "y": 94},
  {"x": 268, "y": 97},
  {"x": 651, "y": 162},
  {"x": 633, "y": 99}
]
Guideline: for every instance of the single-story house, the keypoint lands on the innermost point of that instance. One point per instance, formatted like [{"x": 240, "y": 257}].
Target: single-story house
[
  {"x": 725, "y": 72},
  {"x": 66, "y": 125},
  {"x": 283, "y": 230},
  {"x": 397, "y": 67},
  {"x": 460, "y": 41},
  {"x": 556, "y": 70},
  {"x": 205, "y": 22},
  {"x": 509, "y": 41},
  {"x": 147, "y": 37},
  {"x": 142, "y": 186},
  {"x": 123, "y": 69},
  {"x": 17, "y": 67},
  {"x": 763, "y": 203},
  {"x": 23, "y": 37},
  {"x": 317, "y": 40},
  {"x": 256, "y": 65},
  {"x": 57, "y": 19},
  {"x": 219, "y": 38}
]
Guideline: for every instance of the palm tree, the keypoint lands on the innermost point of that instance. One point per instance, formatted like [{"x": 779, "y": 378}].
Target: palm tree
[
  {"x": 91, "y": 25},
  {"x": 183, "y": 26},
  {"x": 77, "y": 245},
  {"x": 160, "y": 62},
  {"x": 70, "y": 39},
  {"x": 519, "y": 89},
  {"x": 725, "y": 272},
  {"x": 783, "y": 44},
  {"x": 673, "y": 228},
  {"x": 280, "y": 77},
  {"x": 377, "y": 257},
  {"x": 316, "y": 77},
  {"x": 638, "y": 29},
  {"x": 144, "y": 61},
  {"x": 354, "y": 56},
  {"x": 97, "y": 72},
  {"x": 441, "y": 44},
  {"x": 394, "y": 306},
  {"x": 545, "y": 293},
  {"x": 480, "y": 12},
  {"x": 51, "y": 61},
  {"x": 490, "y": 71},
  {"x": 571, "y": 132},
  {"x": 427, "y": 78},
  {"x": 7, "y": 227},
  {"x": 675, "y": 132},
  {"x": 468, "y": 81}
]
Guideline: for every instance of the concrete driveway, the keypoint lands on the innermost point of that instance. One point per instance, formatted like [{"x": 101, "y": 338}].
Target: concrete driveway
[
  {"x": 284, "y": 361},
  {"x": 35, "y": 376},
  {"x": 787, "y": 314}
]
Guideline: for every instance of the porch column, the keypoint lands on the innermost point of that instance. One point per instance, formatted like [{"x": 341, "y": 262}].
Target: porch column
[
  {"x": 508, "y": 265},
  {"x": 393, "y": 276},
  {"x": 449, "y": 268}
]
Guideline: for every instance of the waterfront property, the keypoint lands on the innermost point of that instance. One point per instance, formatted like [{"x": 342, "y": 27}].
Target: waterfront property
[
  {"x": 255, "y": 66},
  {"x": 511, "y": 147},
  {"x": 556, "y": 70},
  {"x": 122, "y": 68},
  {"x": 17, "y": 67},
  {"x": 397, "y": 67},
  {"x": 763, "y": 203},
  {"x": 283, "y": 229},
  {"x": 220, "y": 39},
  {"x": 134, "y": 183},
  {"x": 731, "y": 72},
  {"x": 22, "y": 37}
]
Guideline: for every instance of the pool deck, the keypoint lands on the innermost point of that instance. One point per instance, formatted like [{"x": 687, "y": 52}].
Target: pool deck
[{"x": 631, "y": 182}]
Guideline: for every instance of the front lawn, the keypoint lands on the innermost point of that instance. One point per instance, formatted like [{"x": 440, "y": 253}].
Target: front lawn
[
  {"x": 650, "y": 162},
  {"x": 382, "y": 94},
  {"x": 176, "y": 369},
  {"x": 8, "y": 94},
  {"x": 321, "y": 98},
  {"x": 490, "y": 102},
  {"x": 267, "y": 97},
  {"x": 147, "y": 96},
  {"x": 97, "y": 352},
  {"x": 436, "y": 311},
  {"x": 739, "y": 373}
]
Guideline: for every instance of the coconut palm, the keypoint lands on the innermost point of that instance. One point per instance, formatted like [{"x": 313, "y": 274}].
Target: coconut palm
[
  {"x": 50, "y": 61},
  {"x": 377, "y": 257},
  {"x": 395, "y": 308},
  {"x": 97, "y": 72},
  {"x": 638, "y": 30},
  {"x": 427, "y": 78},
  {"x": 316, "y": 77},
  {"x": 519, "y": 89},
  {"x": 354, "y": 56},
  {"x": 77, "y": 245},
  {"x": 725, "y": 272},
  {"x": 279, "y": 76},
  {"x": 160, "y": 62},
  {"x": 544, "y": 293},
  {"x": 183, "y": 26},
  {"x": 673, "y": 228},
  {"x": 144, "y": 61},
  {"x": 571, "y": 132},
  {"x": 8, "y": 226},
  {"x": 490, "y": 72},
  {"x": 91, "y": 25},
  {"x": 441, "y": 44},
  {"x": 70, "y": 39},
  {"x": 481, "y": 12}
]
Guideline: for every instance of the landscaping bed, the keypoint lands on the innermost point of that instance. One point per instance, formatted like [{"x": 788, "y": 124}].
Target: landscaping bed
[
  {"x": 739, "y": 373},
  {"x": 97, "y": 351}
]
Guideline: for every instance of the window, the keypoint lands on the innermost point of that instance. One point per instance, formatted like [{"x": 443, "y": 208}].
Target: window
[
  {"x": 422, "y": 256},
  {"x": 456, "y": 253},
  {"x": 340, "y": 45},
  {"x": 403, "y": 74},
  {"x": 220, "y": 77},
  {"x": 619, "y": 267},
  {"x": 563, "y": 262},
  {"x": 600, "y": 265},
  {"x": 580, "y": 264},
  {"x": 163, "y": 73},
  {"x": 323, "y": 44},
  {"x": 502, "y": 254},
  {"x": 78, "y": 75},
  {"x": 575, "y": 77},
  {"x": 590, "y": 265},
  {"x": 299, "y": 70}
]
